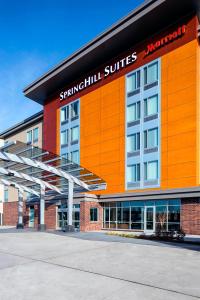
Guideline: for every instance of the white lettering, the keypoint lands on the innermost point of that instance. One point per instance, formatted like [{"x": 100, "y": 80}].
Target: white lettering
[{"x": 108, "y": 70}]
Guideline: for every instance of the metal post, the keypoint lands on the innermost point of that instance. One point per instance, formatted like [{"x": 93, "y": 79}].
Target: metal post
[
  {"x": 20, "y": 224},
  {"x": 70, "y": 226},
  {"x": 42, "y": 225}
]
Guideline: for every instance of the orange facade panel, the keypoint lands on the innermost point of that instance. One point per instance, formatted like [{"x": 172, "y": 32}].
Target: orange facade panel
[
  {"x": 102, "y": 143},
  {"x": 179, "y": 164}
]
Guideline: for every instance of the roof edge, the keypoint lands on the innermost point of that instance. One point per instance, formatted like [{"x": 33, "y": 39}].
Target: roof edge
[
  {"x": 36, "y": 117},
  {"x": 116, "y": 25}
]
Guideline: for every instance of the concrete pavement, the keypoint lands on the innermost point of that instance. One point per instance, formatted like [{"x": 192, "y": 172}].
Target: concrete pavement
[{"x": 36, "y": 265}]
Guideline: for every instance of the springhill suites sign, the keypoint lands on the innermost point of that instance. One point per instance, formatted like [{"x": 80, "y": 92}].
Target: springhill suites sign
[
  {"x": 90, "y": 80},
  {"x": 123, "y": 63}
]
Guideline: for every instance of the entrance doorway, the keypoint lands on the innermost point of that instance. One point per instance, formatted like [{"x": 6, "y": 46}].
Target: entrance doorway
[
  {"x": 31, "y": 216},
  {"x": 149, "y": 219},
  {"x": 62, "y": 216}
]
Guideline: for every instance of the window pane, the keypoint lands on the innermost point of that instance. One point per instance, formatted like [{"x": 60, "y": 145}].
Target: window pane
[
  {"x": 64, "y": 137},
  {"x": 133, "y": 173},
  {"x": 75, "y": 134},
  {"x": 133, "y": 112},
  {"x": 152, "y": 170},
  {"x": 173, "y": 213},
  {"x": 153, "y": 138},
  {"x": 75, "y": 109},
  {"x": 75, "y": 157},
  {"x": 152, "y": 105},
  {"x": 35, "y": 134},
  {"x": 145, "y": 139},
  {"x": 29, "y": 136},
  {"x": 152, "y": 74},
  {"x": 93, "y": 214},
  {"x": 161, "y": 214},
  {"x": 131, "y": 170},
  {"x": 131, "y": 143},
  {"x": 5, "y": 195},
  {"x": 133, "y": 82},
  {"x": 64, "y": 113}
]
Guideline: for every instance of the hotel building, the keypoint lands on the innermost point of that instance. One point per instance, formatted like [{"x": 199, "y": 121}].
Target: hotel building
[{"x": 126, "y": 106}]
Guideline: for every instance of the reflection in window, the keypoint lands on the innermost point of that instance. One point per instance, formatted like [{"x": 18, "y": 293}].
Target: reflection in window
[
  {"x": 151, "y": 73},
  {"x": 133, "y": 173},
  {"x": 75, "y": 109},
  {"x": 133, "y": 142},
  {"x": 133, "y": 112},
  {"x": 75, "y": 157},
  {"x": 151, "y": 138},
  {"x": 93, "y": 214},
  {"x": 130, "y": 215},
  {"x": 151, "y": 106},
  {"x": 151, "y": 170},
  {"x": 64, "y": 114},
  {"x": 35, "y": 135},
  {"x": 133, "y": 82},
  {"x": 64, "y": 137},
  {"x": 29, "y": 137},
  {"x": 74, "y": 134}
]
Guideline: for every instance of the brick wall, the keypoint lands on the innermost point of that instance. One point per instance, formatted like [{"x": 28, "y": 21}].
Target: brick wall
[
  {"x": 10, "y": 213},
  {"x": 190, "y": 215},
  {"x": 85, "y": 224},
  {"x": 50, "y": 216}
]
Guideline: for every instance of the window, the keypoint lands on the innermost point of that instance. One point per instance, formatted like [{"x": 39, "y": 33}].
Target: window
[
  {"x": 64, "y": 137},
  {"x": 151, "y": 73},
  {"x": 151, "y": 170},
  {"x": 5, "y": 195},
  {"x": 29, "y": 137},
  {"x": 133, "y": 142},
  {"x": 74, "y": 134},
  {"x": 151, "y": 106},
  {"x": 35, "y": 135},
  {"x": 151, "y": 138},
  {"x": 133, "y": 173},
  {"x": 64, "y": 114},
  {"x": 133, "y": 82},
  {"x": 133, "y": 112},
  {"x": 74, "y": 109},
  {"x": 93, "y": 214},
  {"x": 75, "y": 157}
]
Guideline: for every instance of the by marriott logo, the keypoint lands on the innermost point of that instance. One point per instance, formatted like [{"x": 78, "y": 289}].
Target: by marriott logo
[{"x": 166, "y": 40}]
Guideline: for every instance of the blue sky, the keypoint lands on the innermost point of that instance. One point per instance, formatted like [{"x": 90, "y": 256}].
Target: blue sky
[{"x": 37, "y": 34}]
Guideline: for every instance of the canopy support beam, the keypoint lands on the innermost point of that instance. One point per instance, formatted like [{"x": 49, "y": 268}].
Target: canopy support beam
[
  {"x": 42, "y": 225},
  {"x": 70, "y": 226},
  {"x": 20, "y": 224}
]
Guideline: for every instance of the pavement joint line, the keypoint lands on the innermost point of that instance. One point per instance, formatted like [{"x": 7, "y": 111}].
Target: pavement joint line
[{"x": 104, "y": 275}]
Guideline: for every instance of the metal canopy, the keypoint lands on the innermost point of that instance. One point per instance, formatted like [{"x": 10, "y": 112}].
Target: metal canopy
[{"x": 29, "y": 167}]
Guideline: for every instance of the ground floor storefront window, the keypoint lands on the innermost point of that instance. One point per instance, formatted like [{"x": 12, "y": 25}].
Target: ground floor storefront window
[
  {"x": 62, "y": 216},
  {"x": 142, "y": 215}
]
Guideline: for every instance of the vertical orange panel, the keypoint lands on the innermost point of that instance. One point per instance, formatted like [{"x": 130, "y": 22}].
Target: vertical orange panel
[
  {"x": 178, "y": 118},
  {"x": 102, "y": 141}
]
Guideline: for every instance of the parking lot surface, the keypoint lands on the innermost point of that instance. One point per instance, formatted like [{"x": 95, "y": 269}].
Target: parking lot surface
[{"x": 53, "y": 265}]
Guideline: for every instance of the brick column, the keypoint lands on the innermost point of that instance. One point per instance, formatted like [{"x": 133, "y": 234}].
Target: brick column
[
  {"x": 85, "y": 224},
  {"x": 190, "y": 215}
]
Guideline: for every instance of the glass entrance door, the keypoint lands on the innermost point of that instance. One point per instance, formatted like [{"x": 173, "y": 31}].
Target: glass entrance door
[{"x": 149, "y": 224}]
